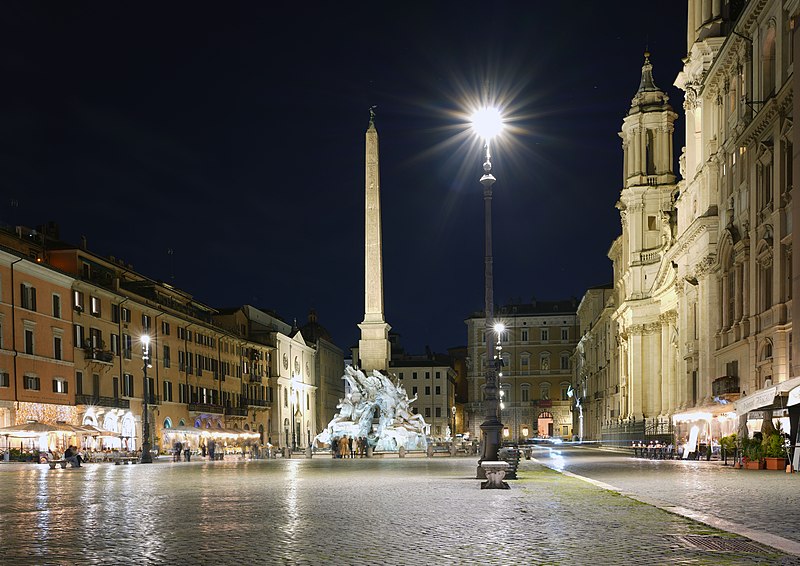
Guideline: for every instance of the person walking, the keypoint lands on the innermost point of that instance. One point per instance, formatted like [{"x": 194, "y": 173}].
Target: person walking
[
  {"x": 350, "y": 450},
  {"x": 343, "y": 451},
  {"x": 177, "y": 448},
  {"x": 334, "y": 447}
]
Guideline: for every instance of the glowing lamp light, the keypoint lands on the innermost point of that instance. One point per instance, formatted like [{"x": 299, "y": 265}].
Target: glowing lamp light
[
  {"x": 506, "y": 432},
  {"x": 524, "y": 431},
  {"x": 487, "y": 122},
  {"x": 145, "y": 340},
  {"x": 499, "y": 327}
]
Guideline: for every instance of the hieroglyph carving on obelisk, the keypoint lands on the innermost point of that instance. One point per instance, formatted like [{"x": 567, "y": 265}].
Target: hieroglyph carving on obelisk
[{"x": 373, "y": 347}]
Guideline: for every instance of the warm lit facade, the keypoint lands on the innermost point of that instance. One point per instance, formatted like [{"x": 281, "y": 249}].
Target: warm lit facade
[
  {"x": 538, "y": 343},
  {"x": 36, "y": 354}
]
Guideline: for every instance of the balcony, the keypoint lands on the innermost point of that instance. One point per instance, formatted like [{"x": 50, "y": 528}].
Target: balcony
[
  {"x": 113, "y": 402},
  {"x": 255, "y": 402},
  {"x": 236, "y": 411},
  {"x": 98, "y": 355},
  {"x": 206, "y": 408},
  {"x": 153, "y": 400},
  {"x": 726, "y": 385}
]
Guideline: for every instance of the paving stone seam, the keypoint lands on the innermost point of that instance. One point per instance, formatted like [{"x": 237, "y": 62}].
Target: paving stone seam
[{"x": 774, "y": 541}]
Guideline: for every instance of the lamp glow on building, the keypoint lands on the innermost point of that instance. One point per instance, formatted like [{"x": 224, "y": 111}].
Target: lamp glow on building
[
  {"x": 147, "y": 457},
  {"x": 487, "y": 123}
]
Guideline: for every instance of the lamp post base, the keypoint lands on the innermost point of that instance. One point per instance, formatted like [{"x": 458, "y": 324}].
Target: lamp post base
[
  {"x": 490, "y": 442},
  {"x": 147, "y": 456}
]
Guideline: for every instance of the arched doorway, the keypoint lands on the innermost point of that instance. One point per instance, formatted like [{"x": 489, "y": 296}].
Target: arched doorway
[{"x": 545, "y": 424}]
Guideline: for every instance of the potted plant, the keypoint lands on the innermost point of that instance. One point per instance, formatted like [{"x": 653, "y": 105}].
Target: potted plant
[
  {"x": 728, "y": 445},
  {"x": 774, "y": 450},
  {"x": 753, "y": 454}
]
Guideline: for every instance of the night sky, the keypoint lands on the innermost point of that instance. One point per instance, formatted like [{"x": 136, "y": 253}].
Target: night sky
[{"x": 220, "y": 147}]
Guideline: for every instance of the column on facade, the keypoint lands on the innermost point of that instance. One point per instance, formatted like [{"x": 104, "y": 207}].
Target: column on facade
[
  {"x": 667, "y": 375},
  {"x": 706, "y": 309},
  {"x": 653, "y": 356},
  {"x": 723, "y": 291},
  {"x": 636, "y": 358},
  {"x": 706, "y": 15},
  {"x": 738, "y": 304}
]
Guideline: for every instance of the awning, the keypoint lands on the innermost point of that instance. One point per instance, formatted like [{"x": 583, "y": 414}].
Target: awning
[
  {"x": 704, "y": 413},
  {"x": 774, "y": 397},
  {"x": 794, "y": 397}
]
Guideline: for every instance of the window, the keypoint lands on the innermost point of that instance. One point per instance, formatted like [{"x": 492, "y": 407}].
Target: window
[
  {"x": 564, "y": 361},
  {"x": 60, "y": 385},
  {"x": 115, "y": 344},
  {"x": 400, "y": 375},
  {"x": 114, "y": 313},
  {"x": 438, "y": 390},
  {"x": 565, "y": 334},
  {"x": 524, "y": 335},
  {"x": 427, "y": 375},
  {"x": 413, "y": 375},
  {"x": 5, "y": 380},
  {"x": 57, "y": 347},
  {"x": 126, "y": 314},
  {"x": 166, "y": 356},
  {"x": 146, "y": 320},
  {"x": 414, "y": 390},
  {"x": 168, "y": 391},
  {"x": 77, "y": 300},
  {"x": 427, "y": 390},
  {"x": 544, "y": 391},
  {"x": 565, "y": 391},
  {"x": 127, "y": 345},
  {"x": 31, "y": 382},
  {"x": 285, "y": 397},
  {"x": 438, "y": 375},
  {"x": 28, "y": 341},
  {"x": 181, "y": 333},
  {"x": 28, "y": 296},
  {"x": 165, "y": 328},
  {"x": 78, "y": 383},
  {"x": 56, "y": 306},
  {"x": 544, "y": 361},
  {"x": 127, "y": 385},
  {"x": 94, "y": 304},
  {"x": 526, "y": 393},
  {"x": 525, "y": 361},
  {"x": 438, "y": 412},
  {"x": 427, "y": 412},
  {"x": 545, "y": 335}
]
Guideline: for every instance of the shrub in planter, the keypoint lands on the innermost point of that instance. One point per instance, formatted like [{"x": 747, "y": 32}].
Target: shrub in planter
[{"x": 774, "y": 450}]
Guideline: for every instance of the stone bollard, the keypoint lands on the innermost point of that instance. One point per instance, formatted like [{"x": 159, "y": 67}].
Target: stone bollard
[
  {"x": 495, "y": 472},
  {"x": 369, "y": 451},
  {"x": 429, "y": 451},
  {"x": 452, "y": 448},
  {"x": 402, "y": 452},
  {"x": 308, "y": 451}
]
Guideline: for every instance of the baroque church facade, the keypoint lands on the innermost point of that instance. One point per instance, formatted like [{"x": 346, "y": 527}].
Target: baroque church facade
[{"x": 698, "y": 321}]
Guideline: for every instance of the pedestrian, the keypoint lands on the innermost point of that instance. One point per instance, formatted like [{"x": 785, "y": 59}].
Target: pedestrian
[
  {"x": 72, "y": 457},
  {"x": 350, "y": 447},
  {"x": 187, "y": 453},
  {"x": 343, "y": 447},
  {"x": 212, "y": 448},
  {"x": 203, "y": 449},
  {"x": 334, "y": 447},
  {"x": 177, "y": 448}
]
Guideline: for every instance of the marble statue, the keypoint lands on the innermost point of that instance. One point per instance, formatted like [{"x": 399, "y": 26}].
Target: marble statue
[{"x": 370, "y": 398}]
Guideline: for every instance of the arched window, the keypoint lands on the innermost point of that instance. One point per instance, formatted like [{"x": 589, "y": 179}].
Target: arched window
[
  {"x": 564, "y": 391},
  {"x": 525, "y": 361},
  {"x": 564, "y": 360},
  {"x": 764, "y": 261},
  {"x": 168, "y": 423},
  {"x": 544, "y": 391}
]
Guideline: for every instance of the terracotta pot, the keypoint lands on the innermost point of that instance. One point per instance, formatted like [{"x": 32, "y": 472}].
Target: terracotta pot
[
  {"x": 775, "y": 463},
  {"x": 753, "y": 465}
]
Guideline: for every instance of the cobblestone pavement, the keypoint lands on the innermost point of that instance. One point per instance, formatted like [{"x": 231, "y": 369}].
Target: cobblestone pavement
[
  {"x": 758, "y": 499},
  {"x": 324, "y": 511}
]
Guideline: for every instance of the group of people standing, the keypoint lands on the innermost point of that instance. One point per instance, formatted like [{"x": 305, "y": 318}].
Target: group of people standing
[
  {"x": 344, "y": 447},
  {"x": 180, "y": 448}
]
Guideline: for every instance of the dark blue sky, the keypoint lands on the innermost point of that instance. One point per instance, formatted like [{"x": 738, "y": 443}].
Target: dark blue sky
[{"x": 233, "y": 134}]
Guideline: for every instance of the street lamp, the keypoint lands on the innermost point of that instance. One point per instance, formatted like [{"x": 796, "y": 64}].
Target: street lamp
[
  {"x": 147, "y": 457},
  {"x": 487, "y": 123}
]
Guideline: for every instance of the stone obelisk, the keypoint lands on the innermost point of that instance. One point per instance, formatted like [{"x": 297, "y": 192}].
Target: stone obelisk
[{"x": 374, "y": 350}]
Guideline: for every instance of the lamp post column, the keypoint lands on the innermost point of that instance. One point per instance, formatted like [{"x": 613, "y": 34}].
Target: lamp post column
[
  {"x": 147, "y": 457},
  {"x": 491, "y": 426}
]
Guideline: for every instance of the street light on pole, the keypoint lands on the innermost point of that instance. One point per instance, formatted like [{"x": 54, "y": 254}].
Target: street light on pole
[
  {"x": 487, "y": 123},
  {"x": 147, "y": 457}
]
